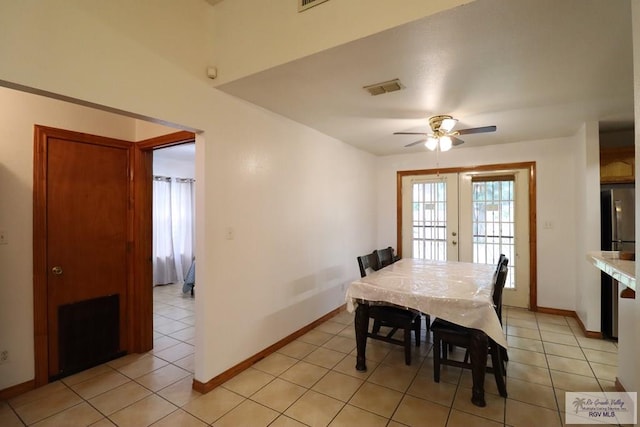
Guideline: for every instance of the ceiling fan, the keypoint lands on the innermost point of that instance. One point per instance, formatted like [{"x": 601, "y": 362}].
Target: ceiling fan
[{"x": 442, "y": 135}]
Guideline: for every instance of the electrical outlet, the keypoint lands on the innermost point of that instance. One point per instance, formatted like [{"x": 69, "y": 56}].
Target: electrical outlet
[
  {"x": 4, "y": 356},
  {"x": 230, "y": 233}
]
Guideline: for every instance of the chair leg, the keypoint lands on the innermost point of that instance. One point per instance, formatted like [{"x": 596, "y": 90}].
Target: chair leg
[
  {"x": 407, "y": 346},
  {"x": 417, "y": 329},
  {"x": 504, "y": 354},
  {"x": 436, "y": 358},
  {"x": 504, "y": 357},
  {"x": 498, "y": 372},
  {"x": 376, "y": 327},
  {"x": 427, "y": 322}
]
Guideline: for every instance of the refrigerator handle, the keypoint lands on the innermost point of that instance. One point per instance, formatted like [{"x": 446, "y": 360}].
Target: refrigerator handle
[{"x": 617, "y": 219}]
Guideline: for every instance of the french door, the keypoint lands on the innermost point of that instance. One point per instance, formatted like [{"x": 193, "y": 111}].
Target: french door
[
  {"x": 471, "y": 217},
  {"x": 430, "y": 217}
]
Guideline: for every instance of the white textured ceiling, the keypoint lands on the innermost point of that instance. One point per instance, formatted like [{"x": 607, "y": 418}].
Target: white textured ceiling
[
  {"x": 182, "y": 152},
  {"x": 534, "y": 68}
]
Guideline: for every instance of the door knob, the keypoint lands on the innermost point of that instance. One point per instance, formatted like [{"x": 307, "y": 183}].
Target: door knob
[
  {"x": 57, "y": 270},
  {"x": 454, "y": 243}
]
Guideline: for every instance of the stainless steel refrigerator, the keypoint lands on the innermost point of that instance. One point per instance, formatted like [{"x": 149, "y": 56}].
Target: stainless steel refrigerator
[{"x": 617, "y": 234}]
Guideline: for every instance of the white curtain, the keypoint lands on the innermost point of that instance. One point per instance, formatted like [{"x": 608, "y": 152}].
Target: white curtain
[
  {"x": 173, "y": 229},
  {"x": 182, "y": 208}
]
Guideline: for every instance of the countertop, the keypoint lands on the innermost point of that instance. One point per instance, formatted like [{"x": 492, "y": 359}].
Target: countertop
[{"x": 621, "y": 270}]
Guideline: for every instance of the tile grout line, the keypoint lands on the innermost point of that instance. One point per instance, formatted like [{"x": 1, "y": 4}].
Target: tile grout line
[{"x": 555, "y": 392}]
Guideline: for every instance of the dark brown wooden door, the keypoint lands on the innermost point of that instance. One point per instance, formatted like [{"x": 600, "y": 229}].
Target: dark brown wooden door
[{"x": 87, "y": 224}]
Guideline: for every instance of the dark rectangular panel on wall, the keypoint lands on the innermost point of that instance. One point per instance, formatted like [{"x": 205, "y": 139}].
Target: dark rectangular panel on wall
[{"x": 89, "y": 333}]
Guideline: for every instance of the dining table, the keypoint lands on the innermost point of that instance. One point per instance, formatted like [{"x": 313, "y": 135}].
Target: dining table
[{"x": 459, "y": 292}]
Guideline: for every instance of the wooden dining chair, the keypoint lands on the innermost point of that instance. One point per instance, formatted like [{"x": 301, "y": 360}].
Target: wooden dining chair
[
  {"x": 497, "y": 301},
  {"x": 391, "y": 317},
  {"x": 386, "y": 257},
  {"x": 446, "y": 333},
  {"x": 501, "y": 259},
  {"x": 498, "y": 266},
  {"x": 367, "y": 263},
  {"x": 505, "y": 355}
]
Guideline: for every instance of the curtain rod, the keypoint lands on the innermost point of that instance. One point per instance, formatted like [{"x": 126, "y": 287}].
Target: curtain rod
[{"x": 168, "y": 179}]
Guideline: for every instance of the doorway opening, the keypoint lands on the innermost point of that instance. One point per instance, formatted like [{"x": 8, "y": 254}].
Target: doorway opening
[{"x": 174, "y": 252}]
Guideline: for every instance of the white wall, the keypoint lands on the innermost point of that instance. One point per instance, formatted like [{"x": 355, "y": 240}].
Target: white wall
[
  {"x": 556, "y": 182},
  {"x": 301, "y": 208},
  {"x": 587, "y": 225},
  {"x": 148, "y": 130},
  {"x": 114, "y": 54},
  {"x": 164, "y": 166},
  {"x": 301, "y": 204},
  {"x": 253, "y": 35}
]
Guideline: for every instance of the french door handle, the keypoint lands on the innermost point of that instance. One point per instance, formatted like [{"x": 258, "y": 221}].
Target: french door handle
[{"x": 57, "y": 270}]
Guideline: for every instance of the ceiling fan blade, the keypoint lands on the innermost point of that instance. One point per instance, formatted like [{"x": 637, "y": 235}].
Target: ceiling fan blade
[
  {"x": 456, "y": 141},
  {"x": 483, "y": 129},
  {"x": 410, "y": 133},
  {"x": 420, "y": 141}
]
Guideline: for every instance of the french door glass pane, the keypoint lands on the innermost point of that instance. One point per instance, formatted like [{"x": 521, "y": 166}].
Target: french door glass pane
[
  {"x": 494, "y": 223},
  {"x": 430, "y": 220}
]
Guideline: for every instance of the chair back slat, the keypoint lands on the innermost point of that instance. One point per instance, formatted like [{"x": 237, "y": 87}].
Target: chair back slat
[
  {"x": 498, "y": 286},
  {"x": 384, "y": 256},
  {"x": 500, "y": 260},
  {"x": 366, "y": 262}
]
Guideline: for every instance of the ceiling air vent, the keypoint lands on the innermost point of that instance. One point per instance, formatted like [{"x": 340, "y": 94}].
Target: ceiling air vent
[
  {"x": 307, "y": 4},
  {"x": 384, "y": 87}
]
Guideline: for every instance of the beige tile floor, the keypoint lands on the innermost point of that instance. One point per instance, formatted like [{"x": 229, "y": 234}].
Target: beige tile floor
[{"x": 312, "y": 381}]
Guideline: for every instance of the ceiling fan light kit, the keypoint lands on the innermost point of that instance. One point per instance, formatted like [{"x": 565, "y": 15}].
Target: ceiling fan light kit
[
  {"x": 431, "y": 143},
  {"x": 442, "y": 135},
  {"x": 445, "y": 143},
  {"x": 442, "y": 122}
]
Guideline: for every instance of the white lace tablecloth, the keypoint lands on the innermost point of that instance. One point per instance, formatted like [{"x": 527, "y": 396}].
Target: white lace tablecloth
[{"x": 459, "y": 292}]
